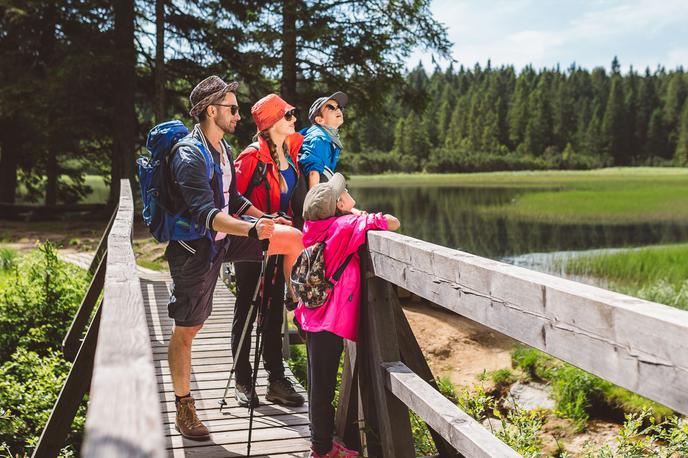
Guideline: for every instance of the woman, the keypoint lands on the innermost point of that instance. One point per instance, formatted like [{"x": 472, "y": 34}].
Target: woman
[{"x": 266, "y": 174}]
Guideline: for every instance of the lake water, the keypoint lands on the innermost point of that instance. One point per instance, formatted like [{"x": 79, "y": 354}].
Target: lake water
[{"x": 451, "y": 216}]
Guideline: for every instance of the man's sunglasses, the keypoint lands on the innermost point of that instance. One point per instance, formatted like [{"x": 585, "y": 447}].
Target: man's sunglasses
[
  {"x": 331, "y": 107},
  {"x": 290, "y": 114},
  {"x": 234, "y": 109}
]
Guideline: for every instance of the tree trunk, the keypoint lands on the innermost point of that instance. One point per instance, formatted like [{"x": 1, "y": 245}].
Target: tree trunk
[
  {"x": 48, "y": 51},
  {"x": 9, "y": 159},
  {"x": 159, "y": 61},
  {"x": 124, "y": 116},
  {"x": 288, "y": 81}
]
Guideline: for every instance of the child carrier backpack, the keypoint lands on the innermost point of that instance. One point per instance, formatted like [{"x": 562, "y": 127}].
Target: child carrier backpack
[
  {"x": 308, "y": 276},
  {"x": 164, "y": 222}
]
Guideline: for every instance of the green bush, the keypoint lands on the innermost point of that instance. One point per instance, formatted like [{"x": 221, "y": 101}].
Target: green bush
[
  {"x": 575, "y": 392},
  {"x": 38, "y": 302},
  {"x": 298, "y": 363},
  {"x": 29, "y": 386}
]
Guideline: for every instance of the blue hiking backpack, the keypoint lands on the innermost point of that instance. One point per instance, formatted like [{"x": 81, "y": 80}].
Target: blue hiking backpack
[{"x": 155, "y": 180}]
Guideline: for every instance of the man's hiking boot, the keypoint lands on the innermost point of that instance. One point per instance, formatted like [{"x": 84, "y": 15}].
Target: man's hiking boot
[
  {"x": 241, "y": 395},
  {"x": 281, "y": 391},
  {"x": 187, "y": 422}
]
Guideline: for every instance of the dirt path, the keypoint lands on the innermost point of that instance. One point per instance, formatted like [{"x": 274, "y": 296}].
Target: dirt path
[{"x": 456, "y": 347}]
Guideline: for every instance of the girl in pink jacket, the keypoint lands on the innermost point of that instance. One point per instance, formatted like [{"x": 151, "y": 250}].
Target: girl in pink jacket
[{"x": 328, "y": 216}]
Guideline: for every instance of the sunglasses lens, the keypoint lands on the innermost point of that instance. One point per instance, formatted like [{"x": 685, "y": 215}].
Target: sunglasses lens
[
  {"x": 289, "y": 115},
  {"x": 234, "y": 110}
]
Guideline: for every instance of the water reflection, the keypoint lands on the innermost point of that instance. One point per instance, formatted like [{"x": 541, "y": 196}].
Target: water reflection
[{"x": 449, "y": 216}]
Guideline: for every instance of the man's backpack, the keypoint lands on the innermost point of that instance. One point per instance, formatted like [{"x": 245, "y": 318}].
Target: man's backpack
[
  {"x": 164, "y": 222},
  {"x": 308, "y": 276}
]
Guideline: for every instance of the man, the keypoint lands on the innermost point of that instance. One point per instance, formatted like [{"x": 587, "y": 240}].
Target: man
[
  {"x": 195, "y": 265},
  {"x": 322, "y": 145}
]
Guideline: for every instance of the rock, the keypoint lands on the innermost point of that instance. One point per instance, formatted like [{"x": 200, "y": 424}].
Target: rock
[{"x": 530, "y": 396}]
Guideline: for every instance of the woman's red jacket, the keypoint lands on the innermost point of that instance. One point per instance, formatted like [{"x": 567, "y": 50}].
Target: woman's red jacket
[{"x": 246, "y": 163}]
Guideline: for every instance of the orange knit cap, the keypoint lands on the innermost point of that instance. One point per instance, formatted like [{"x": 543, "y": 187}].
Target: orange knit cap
[{"x": 268, "y": 110}]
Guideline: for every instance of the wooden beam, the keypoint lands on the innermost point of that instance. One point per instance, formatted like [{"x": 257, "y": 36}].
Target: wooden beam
[
  {"x": 102, "y": 245},
  {"x": 637, "y": 344},
  {"x": 72, "y": 341},
  {"x": 392, "y": 426},
  {"x": 124, "y": 415},
  {"x": 412, "y": 356},
  {"x": 76, "y": 386},
  {"x": 457, "y": 427}
]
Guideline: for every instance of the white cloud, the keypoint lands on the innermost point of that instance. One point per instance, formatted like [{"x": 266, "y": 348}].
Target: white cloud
[{"x": 544, "y": 33}]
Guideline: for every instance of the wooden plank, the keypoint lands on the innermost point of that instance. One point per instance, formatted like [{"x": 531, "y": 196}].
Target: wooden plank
[
  {"x": 76, "y": 386},
  {"x": 72, "y": 340},
  {"x": 297, "y": 447},
  {"x": 457, "y": 427},
  {"x": 639, "y": 345},
  {"x": 101, "y": 250},
  {"x": 412, "y": 356},
  {"x": 124, "y": 389},
  {"x": 393, "y": 429}
]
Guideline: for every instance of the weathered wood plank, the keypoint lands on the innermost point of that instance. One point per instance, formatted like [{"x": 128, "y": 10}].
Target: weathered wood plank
[
  {"x": 457, "y": 427},
  {"x": 72, "y": 340},
  {"x": 637, "y": 344},
  {"x": 123, "y": 389},
  {"x": 391, "y": 424}
]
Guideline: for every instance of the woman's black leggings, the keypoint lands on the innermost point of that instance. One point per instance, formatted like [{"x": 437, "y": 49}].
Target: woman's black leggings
[
  {"x": 324, "y": 352},
  {"x": 247, "y": 274}
]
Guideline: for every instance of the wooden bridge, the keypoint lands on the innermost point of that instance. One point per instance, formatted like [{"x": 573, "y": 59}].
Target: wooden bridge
[{"x": 121, "y": 361}]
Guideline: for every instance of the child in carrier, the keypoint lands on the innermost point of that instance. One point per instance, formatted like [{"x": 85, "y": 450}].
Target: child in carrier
[{"x": 328, "y": 218}]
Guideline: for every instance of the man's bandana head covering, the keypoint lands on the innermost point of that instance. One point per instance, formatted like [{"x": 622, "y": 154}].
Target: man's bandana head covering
[
  {"x": 210, "y": 90},
  {"x": 268, "y": 110}
]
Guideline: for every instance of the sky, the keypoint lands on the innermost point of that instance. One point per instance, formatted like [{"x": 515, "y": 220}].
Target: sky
[{"x": 545, "y": 33}]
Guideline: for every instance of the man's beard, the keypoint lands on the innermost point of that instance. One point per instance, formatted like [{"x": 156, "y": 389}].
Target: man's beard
[{"x": 229, "y": 128}]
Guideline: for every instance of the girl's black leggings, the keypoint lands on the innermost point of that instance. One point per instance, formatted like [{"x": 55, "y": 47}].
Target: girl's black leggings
[{"x": 324, "y": 352}]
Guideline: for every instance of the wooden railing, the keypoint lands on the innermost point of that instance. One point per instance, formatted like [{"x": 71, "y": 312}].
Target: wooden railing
[
  {"x": 637, "y": 344},
  {"x": 114, "y": 361}
]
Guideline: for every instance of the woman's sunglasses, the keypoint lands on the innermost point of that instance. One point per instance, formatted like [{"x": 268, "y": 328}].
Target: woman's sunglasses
[
  {"x": 289, "y": 115},
  {"x": 234, "y": 109}
]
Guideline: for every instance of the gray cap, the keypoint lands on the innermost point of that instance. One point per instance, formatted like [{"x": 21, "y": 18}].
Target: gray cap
[
  {"x": 321, "y": 200},
  {"x": 341, "y": 98}
]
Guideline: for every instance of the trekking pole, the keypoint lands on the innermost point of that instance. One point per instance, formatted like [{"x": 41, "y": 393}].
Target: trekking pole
[
  {"x": 261, "y": 321},
  {"x": 263, "y": 267}
]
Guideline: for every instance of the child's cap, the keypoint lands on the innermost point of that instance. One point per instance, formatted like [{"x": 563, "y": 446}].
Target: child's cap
[{"x": 321, "y": 200}]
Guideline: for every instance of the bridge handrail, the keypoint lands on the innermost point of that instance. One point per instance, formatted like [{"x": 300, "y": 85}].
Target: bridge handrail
[
  {"x": 637, "y": 344},
  {"x": 124, "y": 414}
]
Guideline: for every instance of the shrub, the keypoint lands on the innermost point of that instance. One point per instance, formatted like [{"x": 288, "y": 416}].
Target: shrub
[
  {"x": 39, "y": 302},
  {"x": 8, "y": 259}
]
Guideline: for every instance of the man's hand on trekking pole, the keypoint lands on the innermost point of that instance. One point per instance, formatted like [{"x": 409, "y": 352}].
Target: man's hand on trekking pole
[{"x": 279, "y": 218}]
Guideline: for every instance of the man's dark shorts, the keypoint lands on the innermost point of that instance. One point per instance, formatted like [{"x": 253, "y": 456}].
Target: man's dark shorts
[{"x": 195, "y": 273}]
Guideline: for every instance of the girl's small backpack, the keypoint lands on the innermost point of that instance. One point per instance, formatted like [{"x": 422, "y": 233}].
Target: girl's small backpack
[{"x": 308, "y": 276}]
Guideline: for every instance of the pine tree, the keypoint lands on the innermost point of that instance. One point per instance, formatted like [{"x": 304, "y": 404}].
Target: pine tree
[
  {"x": 613, "y": 125},
  {"x": 681, "y": 155}
]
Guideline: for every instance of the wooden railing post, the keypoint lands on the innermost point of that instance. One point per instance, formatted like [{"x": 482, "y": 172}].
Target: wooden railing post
[
  {"x": 387, "y": 418},
  {"x": 71, "y": 342},
  {"x": 346, "y": 420}
]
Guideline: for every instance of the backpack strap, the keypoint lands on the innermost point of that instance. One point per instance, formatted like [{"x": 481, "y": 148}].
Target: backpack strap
[
  {"x": 209, "y": 163},
  {"x": 258, "y": 177},
  {"x": 340, "y": 270}
]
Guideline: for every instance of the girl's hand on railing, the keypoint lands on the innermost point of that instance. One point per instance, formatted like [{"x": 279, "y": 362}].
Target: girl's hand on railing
[{"x": 392, "y": 223}]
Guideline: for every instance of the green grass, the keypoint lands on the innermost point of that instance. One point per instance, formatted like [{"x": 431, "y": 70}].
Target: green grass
[
  {"x": 645, "y": 265},
  {"x": 605, "y": 196},
  {"x": 577, "y": 392},
  {"x": 658, "y": 273}
]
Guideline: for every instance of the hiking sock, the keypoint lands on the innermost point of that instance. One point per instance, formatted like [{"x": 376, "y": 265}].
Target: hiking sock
[{"x": 179, "y": 398}]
